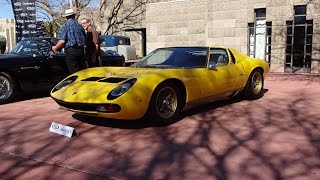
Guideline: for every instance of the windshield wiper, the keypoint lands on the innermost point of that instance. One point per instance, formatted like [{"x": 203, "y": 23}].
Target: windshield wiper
[{"x": 148, "y": 66}]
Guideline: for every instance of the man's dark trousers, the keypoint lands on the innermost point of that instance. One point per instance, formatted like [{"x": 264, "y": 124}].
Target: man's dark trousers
[{"x": 75, "y": 59}]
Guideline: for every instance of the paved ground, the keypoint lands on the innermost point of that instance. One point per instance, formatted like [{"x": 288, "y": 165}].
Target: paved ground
[{"x": 275, "y": 137}]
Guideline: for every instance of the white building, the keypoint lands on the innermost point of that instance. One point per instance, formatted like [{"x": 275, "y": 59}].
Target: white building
[{"x": 7, "y": 29}]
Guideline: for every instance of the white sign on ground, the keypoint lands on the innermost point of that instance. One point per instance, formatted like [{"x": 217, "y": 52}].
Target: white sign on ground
[{"x": 62, "y": 129}]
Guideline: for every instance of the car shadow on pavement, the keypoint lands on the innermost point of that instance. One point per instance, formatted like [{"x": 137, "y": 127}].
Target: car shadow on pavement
[
  {"x": 113, "y": 123},
  {"x": 215, "y": 105},
  {"x": 145, "y": 122}
]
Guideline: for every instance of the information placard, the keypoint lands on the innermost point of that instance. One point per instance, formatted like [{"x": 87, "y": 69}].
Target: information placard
[{"x": 62, "y": 129}]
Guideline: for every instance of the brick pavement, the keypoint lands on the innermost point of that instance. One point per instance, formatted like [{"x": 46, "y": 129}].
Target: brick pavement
[{"x": 275, "y": 137}]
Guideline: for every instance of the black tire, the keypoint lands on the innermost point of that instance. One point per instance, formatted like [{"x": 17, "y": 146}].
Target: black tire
[
  {"x": 165, "y": 104},
  {"x": 7, "y": 88},
  {"x": 254, "y": 86}
]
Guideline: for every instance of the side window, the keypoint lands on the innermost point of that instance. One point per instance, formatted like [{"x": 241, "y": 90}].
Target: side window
[
  {"x": 219, "y": 56},
  {"x": 233, "y": 59}
]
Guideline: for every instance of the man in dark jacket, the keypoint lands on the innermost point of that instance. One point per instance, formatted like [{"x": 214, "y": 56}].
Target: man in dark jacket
[
  {"x": 92, "y": 49},
  {"x": 72, "y": 38}
]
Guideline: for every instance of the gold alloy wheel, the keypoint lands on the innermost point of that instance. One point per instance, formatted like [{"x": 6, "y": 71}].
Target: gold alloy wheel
[
  {"x": 256, "y": 82},
  {"x": 166, "y": 102}
]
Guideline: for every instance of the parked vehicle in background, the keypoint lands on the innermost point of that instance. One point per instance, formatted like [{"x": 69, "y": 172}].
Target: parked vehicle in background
[
  {"x": 120, "y": 44},
  {"x": 30, "y": 67}
]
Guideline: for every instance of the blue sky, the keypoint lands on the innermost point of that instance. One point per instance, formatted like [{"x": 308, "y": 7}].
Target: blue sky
[{"x": 5, "y": 10}]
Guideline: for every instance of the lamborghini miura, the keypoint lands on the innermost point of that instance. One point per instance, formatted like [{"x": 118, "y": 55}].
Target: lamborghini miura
[{"x": 162, "y": 84}]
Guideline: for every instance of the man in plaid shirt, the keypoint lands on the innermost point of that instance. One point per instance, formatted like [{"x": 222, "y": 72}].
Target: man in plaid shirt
[{"x": 72, "y": 38}]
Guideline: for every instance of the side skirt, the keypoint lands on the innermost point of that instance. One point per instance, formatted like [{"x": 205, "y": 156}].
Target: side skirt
[{"x": 210, "y": 99}]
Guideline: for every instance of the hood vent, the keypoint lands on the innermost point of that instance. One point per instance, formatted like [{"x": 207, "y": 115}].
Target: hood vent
[
  {"x": 93, "y": 79},
  {"x": 113, "y": 80},
  {"x": 104, "y": 79}
]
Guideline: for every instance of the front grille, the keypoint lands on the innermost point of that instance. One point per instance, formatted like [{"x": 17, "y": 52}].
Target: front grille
[
  {"x": 78, "y": 106},
  {"x": 87, "y": 107}
]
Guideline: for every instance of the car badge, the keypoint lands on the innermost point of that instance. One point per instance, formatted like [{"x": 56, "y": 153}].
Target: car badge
[
  {"x": 109, "y": 74},
  {"x": 74, "y": 93}
]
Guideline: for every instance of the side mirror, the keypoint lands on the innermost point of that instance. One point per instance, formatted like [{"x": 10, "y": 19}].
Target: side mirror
[{"x": 212, "y": 65}]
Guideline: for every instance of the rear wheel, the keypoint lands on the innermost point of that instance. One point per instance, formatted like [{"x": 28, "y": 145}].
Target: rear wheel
[
  {"x": 7, "y": 87},
  {"x": 165, "y": 104},
  {"x": 254, "y": 86}
]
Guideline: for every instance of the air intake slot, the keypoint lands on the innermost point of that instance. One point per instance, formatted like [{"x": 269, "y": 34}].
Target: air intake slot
[
  {"x": 93, "y": 79},
  {"x": 113, "y": 80}
]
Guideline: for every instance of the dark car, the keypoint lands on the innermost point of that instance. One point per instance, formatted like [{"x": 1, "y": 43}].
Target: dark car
[{"x": 30, "y": 67}]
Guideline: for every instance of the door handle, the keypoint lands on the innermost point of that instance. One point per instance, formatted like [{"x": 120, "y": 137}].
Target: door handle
[{"x": 33, "y": 67}]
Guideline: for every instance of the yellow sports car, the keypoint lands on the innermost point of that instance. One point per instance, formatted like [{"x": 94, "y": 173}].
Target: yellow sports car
[{"x": 162, "y": 84}]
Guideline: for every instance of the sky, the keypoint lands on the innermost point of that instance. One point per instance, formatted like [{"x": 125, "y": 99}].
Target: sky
[{"x": 5, "y": 10}]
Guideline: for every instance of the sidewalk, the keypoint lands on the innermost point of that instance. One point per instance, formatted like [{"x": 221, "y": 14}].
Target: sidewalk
[{"x": 275, "y": 137}]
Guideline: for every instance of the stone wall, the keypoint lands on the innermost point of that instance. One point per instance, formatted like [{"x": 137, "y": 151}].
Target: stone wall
[
  {"x": 315, "y": 15},
  {"x": 176, "y": 23},
  {"x": 225, "y": 23}
]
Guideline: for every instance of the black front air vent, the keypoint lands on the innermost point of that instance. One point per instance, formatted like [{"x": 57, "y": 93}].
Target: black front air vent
[
  {"x": 93, "y": 79},
  {"x": 113, "y": 80}
]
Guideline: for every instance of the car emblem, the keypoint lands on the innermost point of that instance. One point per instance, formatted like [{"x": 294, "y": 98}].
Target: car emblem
[
  {"x": 55, "y": 126},
  {"x": 74, "y": 93},
  {"x": 109, "y": 74}
]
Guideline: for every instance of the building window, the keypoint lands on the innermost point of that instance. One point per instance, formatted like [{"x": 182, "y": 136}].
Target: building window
[
  {"x": 259, "y": 45},
  {"x": 299, "y": 42}
]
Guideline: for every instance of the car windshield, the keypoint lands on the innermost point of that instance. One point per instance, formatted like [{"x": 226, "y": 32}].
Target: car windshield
[
  {"x": 177, "y": 57},
  {"x": 30, "y": 47}
]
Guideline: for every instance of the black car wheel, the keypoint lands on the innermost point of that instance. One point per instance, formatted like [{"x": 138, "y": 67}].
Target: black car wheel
[
  {"x": 7, "y": 87},
  {"x": 165, "y": 104},
  {"x": 254, "y": 86}
]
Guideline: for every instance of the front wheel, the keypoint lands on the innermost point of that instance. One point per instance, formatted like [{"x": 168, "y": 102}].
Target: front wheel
[
  {"x": 7, "y": 87},
  {"x": 254, "y": 86},
  {"x": 165, "y": 104}
]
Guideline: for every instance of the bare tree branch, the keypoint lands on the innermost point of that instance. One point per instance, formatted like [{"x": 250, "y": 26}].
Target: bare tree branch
[{"x": 117, "y": 15}]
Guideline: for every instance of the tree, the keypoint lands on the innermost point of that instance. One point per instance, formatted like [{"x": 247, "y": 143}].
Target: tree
[
  {"x": 117, "y": 15},
  {"x": 114, "y": 15},
  {"x": 52, "y": 11}
]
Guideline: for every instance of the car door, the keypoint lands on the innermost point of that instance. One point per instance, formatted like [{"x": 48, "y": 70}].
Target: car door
[
  {"x": 56, "y": 66},
  {"x": 224, "y": 75},
  {"x": 51, "y": 69},
  {"x": 29, "y": 65}
]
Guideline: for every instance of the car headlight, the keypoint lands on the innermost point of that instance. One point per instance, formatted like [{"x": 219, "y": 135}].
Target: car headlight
[
  {"x": 64, "y": 83},
  {"x": 121, "y": 89}
]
